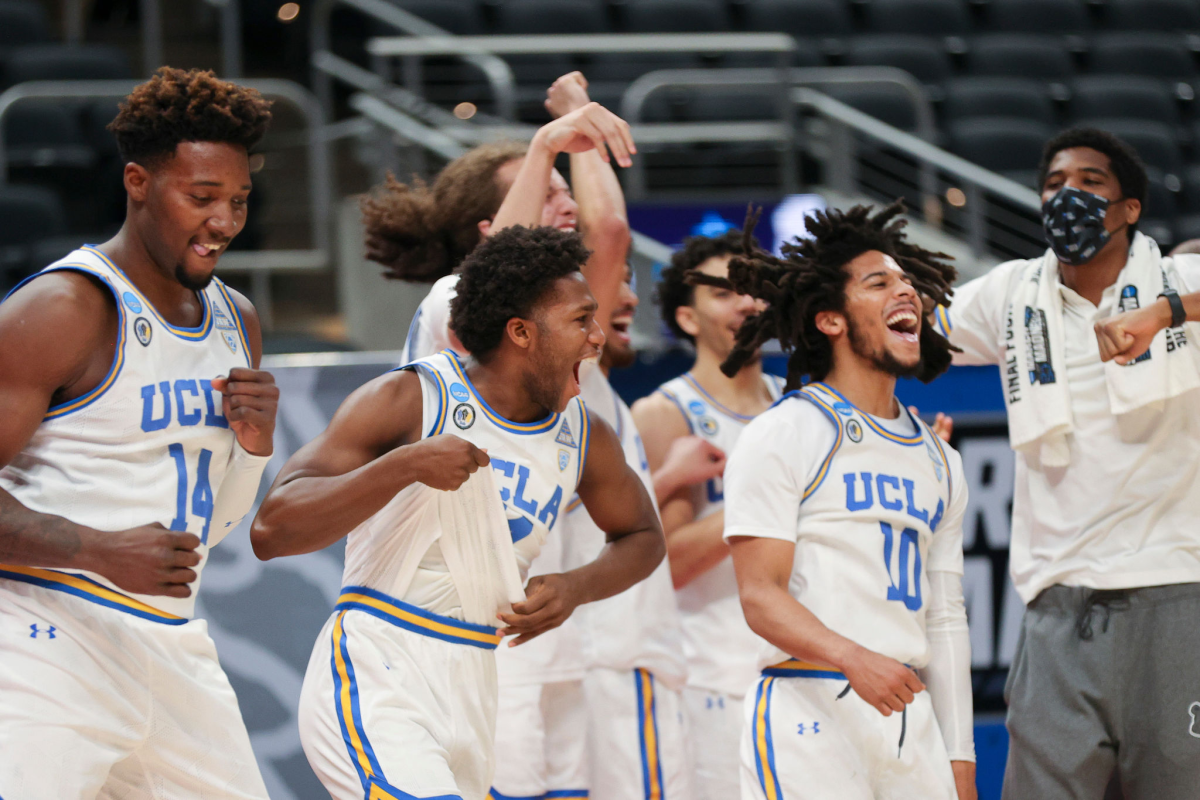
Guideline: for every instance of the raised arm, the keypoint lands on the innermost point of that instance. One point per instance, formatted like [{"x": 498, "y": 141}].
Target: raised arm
[
  {"x": 619, "y": 504},
  {"x": 58, "y": 337},
  {"x": 371, "y": 450}
]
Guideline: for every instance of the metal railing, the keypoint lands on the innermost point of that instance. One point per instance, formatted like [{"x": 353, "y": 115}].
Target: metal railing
[{"x": 258, "y": 263}]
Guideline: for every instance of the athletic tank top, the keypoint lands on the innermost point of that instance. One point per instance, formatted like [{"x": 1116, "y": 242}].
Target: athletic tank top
[{"x": 149, "y": 443}]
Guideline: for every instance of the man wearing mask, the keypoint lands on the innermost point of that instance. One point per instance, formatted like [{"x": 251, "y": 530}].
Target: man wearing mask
[{"x": 1099, "y": 356}]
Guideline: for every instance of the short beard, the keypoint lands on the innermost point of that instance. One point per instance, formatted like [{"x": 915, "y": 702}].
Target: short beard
[
  {"x": 188, "y": 282},
  {"x": 885, "y": 361},
  {"x": 617, "y": 357}
]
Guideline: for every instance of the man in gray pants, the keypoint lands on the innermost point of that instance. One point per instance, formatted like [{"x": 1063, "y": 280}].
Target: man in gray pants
[{"x": 1100, "y": 359}]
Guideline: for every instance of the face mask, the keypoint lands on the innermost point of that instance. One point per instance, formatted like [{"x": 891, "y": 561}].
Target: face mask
[{"x": 1074, "y": 224}]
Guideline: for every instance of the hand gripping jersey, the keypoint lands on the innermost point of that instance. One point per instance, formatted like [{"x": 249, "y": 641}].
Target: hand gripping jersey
[
  {"x": 721, "y": 650},
  {"x": 871, "y": 511},
  {"x": 149, "y": 444},
  {"x": 536, "y": 466}
]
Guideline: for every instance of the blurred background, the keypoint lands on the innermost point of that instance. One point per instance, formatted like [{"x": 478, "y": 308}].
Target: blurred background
[{"x": 789, "y": 104}]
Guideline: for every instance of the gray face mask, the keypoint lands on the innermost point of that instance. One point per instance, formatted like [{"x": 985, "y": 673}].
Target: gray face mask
[{"x": 1073, "y": 221}]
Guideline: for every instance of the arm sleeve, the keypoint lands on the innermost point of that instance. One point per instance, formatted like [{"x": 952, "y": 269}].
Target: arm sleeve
[
  {"x": 238, "y": 490},
  {"x": 947, "y": 676},
  {"x": 762, "y": 494},
  {"x": 975, "y": 319}
]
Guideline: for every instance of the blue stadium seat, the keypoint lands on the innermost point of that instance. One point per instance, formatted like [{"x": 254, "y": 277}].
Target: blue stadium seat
[
  {"x": 997, "y": 97},
  {"x": 1154, "y": 55},
  {"x": 918, "y": 17},
  {"x": 1037, "y": 16},
  {"x": 22, "y": 22},
  {"x": 1122, "y": 96},
  {"x": 1152, "y": 15},
  {"x": 1040, "y": 57},
  {"x": 921, "y": 56},
  {"x": 56, "y": 62}
]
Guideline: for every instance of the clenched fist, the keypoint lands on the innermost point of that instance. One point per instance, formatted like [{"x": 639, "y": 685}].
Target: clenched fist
[
  {"x": 446, "y": 461},
  {"x": 249, "y": 400},
  {"x": 145, "y": 560}
]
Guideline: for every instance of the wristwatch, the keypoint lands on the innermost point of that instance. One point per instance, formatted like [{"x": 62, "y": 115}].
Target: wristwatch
[{"x": 1178, "y": 315}]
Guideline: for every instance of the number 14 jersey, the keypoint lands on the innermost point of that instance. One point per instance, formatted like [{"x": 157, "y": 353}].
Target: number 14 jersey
[{"x": 873, "y": 506}]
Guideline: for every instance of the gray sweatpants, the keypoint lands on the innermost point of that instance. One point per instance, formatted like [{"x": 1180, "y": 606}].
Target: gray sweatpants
[{"x": 1106, "y": 680}]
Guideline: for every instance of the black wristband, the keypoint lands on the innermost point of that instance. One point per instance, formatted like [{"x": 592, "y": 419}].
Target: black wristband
[{"x": 1178, "y": 315}]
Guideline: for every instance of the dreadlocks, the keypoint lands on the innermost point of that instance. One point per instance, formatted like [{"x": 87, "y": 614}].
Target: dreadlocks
[{"x": 810, "y": 278}]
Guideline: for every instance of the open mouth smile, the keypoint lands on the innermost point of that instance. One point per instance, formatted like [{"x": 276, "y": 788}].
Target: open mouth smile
[{"x": 904, "y": 324}]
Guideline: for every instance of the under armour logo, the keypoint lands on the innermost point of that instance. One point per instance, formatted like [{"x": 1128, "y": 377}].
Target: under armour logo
[
  {"x": 1194, "y": 713},
  {"x": 816, "y": 728},
  {"x": 48, "y": 631}
]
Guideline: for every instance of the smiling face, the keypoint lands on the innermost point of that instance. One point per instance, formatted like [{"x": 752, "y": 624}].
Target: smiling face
[
  {"x": 715, "y": 314},
  {"x": 618, "y": 343},
  {"x": 565, "y": 333},
  {"x": 881, "y": 319},
  {"x": 188, "y": 207},
  {"x": 559, "y": 209}
]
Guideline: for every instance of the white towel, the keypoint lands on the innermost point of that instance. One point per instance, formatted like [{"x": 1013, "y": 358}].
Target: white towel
[
  {"x": 478, "y": 548},
  {"x": 1039, "y": 409}
]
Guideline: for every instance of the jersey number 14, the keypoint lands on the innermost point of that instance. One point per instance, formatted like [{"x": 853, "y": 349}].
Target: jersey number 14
[
  {"x": 905, "y": 586},
  {"x": 201, "y": 495}
]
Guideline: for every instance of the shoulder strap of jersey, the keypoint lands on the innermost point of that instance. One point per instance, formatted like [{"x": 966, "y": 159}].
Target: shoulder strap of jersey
[
  {"x": 775, "y": 385},
  {"x": 668, "y": 391},
  {"x": 808, "y": 393},
  {"x": 223, "y": 304},
  {"x": 585, "y": 436},
  {"x": 430, "y": 374},
  {"x": 940, "y": 447}
]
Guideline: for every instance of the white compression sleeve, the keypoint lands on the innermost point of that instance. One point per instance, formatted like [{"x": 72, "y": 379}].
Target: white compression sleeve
[
  {"x": 948, "y": 674},
  {"x": 236, "y": 496}
]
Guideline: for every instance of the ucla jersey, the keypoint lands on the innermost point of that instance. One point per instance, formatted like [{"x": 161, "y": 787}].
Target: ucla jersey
[
  {"x": 148, "y": 444},
  {"x": 536, "y": 466},
  {"x": 873, "y": 506},
  {"x": 722, "y": 651}
]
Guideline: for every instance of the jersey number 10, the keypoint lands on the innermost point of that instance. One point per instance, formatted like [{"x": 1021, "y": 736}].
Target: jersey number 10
[
  {"x": 907, "y": 588},
  {"x": 202, "y": 494}
]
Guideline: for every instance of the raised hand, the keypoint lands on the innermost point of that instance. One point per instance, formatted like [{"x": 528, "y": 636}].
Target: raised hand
[
  {"x": 566, "y": 94},
  {"x": 447, "y": 461},
  {"x": 145, "y": 560},
  {"x": 590, "y": 126},
  {"x": 549, "y": 600},
  {"x": 693, "y": 460},
  {"x": 883, "y": 682},
  {"x": 943, "y": 424},
  {"x": 249, "y": 400}
]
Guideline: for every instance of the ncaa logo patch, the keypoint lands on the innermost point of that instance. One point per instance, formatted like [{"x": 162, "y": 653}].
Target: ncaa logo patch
[
  {"x": 143, "y": 331},
  {"x": 459, "y": 392},
  {"x": 845, "y": 409},
  {"x": 854, "y": 430},
  {"x": 464, "y": 416},
  {"x": 564, "y": 459},
  {"x": 708, "y": 425},
  {"x": 696, "y": 407},
  {"x": 131, "y": 300}
]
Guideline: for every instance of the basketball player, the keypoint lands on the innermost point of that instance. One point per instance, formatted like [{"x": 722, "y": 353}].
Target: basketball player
[
  {"x": 136, "y": 427},
  {"x": 400, "y": 695},
  {"x": 721, "y": 650},
  {"x": 844, "y": 517}
]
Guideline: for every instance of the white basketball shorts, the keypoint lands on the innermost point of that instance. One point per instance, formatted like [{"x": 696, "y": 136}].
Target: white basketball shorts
[
  {"x": 637, "y": 746},
  {"x": 807, "y": 734},
  {"x": 714, "y": 732},
  {"x": 541, "y": 742},
  {"x": 104, "y": 697},
  {"x": 399, "y": 703}
]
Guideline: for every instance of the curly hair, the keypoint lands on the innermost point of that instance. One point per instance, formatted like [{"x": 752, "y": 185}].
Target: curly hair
[
  {"x": 1126, "y": 165},
  {"x": 675, "y": 288},
  {"x": 194, "y": 105},
  {"x": 506, "y": 277},
  {"x": 422, "y": 233},
  {"x": 811, "y": 278}
]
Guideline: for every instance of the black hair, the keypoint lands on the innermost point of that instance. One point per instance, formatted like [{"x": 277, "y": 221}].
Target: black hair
[
  {"x": 506, "y": 276},
  {"x": 675, "y": 288},
  {"x": 811, "y": 278},
  {"x": 1126, "y": 164},
  {"x": 194, "y": 105}
]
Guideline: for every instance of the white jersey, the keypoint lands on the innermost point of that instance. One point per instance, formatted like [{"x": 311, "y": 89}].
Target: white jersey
[
  {"x": 148, "y": 444},
  {"x": 721, "y": 650},
  {"x": 429, "y": 331},
  {"x": 640, "y": 627},
  {"x": 536, "y": 465},
  {"x": 871, "y": 507}
]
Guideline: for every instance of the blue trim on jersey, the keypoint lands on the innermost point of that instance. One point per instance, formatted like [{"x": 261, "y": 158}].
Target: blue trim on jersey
[
  {"x": 84, "y": 587},
  {"x": 823, "y": 471},
  {"x": 416, "y": 619},
  {"x": 763, "y": 743},
  {"x": 114, "y": 369},
  {"x": 695, "y": 384},
  {"x": 671, "y": 396},
  {"x": 794, "y": 668},
  {"x": 410, "y": 342},
  {"x": 576, "y": 502},
  {"x": 439, "y": 418},
  {"x": 557, "y": 794},
  {"x": 237, "y": 320},
  {"x": 345, "y": 699},
  {"x": 187, "y": 334},
  {"x": 652, "y": 779},
  {"x": 942, "y": 315},
  {"x": 523, "y": 428},
  {"x": 907, "y": 441},
  {"x": 585, "y": 438},
  {"x": 937, "y": 442}
]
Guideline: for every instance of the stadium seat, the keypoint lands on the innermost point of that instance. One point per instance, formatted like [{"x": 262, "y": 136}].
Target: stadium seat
[
  {"x": 56, "y": 62},
  {"x": 997, "y": 97},
  {"x": 1152, "y": 15},
  {"x": 1122, "y": 96},
  {"x": 800, "y": 18},
  {"x": 1155, "y": 142},
  {"x": 1190, "y": 196},
  {"x": 28, "y": 214},
  {"x": 675, "y": 16},
  {"x": 889, "y": 104},
  {"x": 918, "y": 55},
  {"x": 22, "y": 22},
  {"x": 1160, "y": 201},
  {"x": 41, "y": 133},
  {"x": 1162, "y": 231},
  {"x": 460, "y": 17},
  {"x": 1037, "y": 16},
  {"x": 1043, "y": 58},
  {"x": 918, "y": 17},
  {"x": 1187, "y": 227},
  {"x": 1154, "y": 55},
  {"x": 552, "y": 16},
  {"x": 1001, "y": 144}
]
